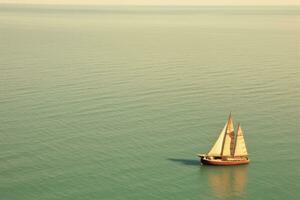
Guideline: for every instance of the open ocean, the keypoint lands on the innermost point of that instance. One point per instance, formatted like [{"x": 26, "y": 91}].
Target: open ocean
[{"x": 115, "y": 103}]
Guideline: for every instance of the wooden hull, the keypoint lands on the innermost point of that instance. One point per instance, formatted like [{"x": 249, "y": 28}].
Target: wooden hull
[{"x": 206, "y": 161}]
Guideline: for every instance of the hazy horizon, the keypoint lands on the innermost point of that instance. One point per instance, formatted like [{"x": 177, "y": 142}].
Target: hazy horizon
[{"x": 155, "y": 2}]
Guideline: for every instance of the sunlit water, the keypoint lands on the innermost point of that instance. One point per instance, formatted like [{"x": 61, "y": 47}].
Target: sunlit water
[{"x": 115, "y": 102}]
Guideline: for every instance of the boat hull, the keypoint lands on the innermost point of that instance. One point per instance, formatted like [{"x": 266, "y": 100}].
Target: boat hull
[{"x": 220, "y": 162}]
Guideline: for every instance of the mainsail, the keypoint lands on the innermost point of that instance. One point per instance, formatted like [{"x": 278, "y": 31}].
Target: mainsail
[
  {"x": 224, "y": 145},
  {"x": 240, "y": 146},
  {"x": 228, "y": 143}
]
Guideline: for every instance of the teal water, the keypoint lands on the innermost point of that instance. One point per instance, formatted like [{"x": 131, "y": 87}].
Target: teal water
[{"x": 115, "y": 102}]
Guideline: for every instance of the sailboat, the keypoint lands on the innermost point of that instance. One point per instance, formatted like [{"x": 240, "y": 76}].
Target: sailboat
[{"x": 229, "y": 149}]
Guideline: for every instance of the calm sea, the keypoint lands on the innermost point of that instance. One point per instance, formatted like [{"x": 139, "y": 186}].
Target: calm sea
[{"x": 114, "y": 103}]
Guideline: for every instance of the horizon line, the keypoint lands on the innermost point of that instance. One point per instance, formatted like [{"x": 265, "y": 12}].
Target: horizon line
[{"x": 91, "y": 4}]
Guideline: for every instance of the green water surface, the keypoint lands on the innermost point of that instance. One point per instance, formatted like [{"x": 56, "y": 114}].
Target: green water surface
[{"x": 114, "y": 103}]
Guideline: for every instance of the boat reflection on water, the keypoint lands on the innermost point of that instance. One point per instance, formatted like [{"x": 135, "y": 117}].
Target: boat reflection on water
[{"x": 226, "y": 182}]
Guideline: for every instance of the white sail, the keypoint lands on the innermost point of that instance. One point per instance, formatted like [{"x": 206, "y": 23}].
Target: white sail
[
  {"x": 228, "y": 145},
  {"x": 240, "y": 146},
  {"x": 217, "y": 148}
]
